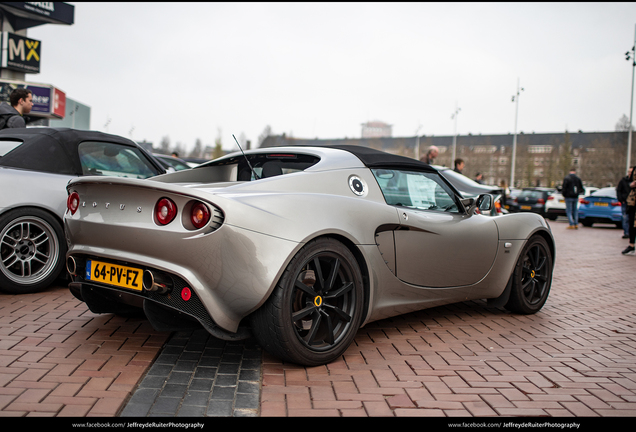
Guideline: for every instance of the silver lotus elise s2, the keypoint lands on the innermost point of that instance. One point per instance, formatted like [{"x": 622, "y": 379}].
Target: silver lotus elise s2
[{"x": 298, "y": 246}]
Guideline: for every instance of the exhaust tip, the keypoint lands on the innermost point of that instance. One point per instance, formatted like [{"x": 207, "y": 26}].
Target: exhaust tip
[
  {"x": 148, "y": 280},
  {"x": 156, "y": 282},
  {"x": 71, "y": 266}
]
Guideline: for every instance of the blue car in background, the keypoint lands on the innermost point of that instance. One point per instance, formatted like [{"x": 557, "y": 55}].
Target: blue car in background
[{"x": 600, "y": 206}]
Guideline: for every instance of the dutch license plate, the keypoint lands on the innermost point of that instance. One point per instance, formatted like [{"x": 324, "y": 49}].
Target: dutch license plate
[
  {"x": 561, "y": 200},
  {"x": 114, "y": 274},
  {"x": 601, "y": 204},
  {"x": 526, "y": 207}
]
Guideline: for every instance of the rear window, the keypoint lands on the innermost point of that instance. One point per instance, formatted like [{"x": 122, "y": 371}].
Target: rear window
[
  {"x": 7, "y": 146},
  {"x": 605, "y": 192},
  {"x": 265, "y": 165},
  {"x": 110, "y": 159},
  {"x": 532, "y": 194}
]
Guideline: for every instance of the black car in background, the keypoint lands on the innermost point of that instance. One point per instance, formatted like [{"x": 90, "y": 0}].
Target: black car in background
[
  {"x": 171, "y": 163},
  {"x": 531, "y": 200}
]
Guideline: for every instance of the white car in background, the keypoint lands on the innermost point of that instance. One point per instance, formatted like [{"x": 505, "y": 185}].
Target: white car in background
[{"x": 555, "y": 205}]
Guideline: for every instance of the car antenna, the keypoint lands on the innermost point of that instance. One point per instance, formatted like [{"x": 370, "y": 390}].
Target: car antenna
[{"x": 246, "y": 160}]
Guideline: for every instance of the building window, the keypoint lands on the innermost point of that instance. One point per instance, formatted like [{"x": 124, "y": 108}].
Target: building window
[{"x": 540, "y": 149}]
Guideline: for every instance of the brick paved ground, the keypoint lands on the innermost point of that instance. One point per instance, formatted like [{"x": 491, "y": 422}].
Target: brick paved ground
[
  {"x": 59, "y": 359},
  {"x": 577, "y": 357}
]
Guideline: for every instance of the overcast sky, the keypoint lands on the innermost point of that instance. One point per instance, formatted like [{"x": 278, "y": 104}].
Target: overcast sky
[{"x": 197, "y": 70}]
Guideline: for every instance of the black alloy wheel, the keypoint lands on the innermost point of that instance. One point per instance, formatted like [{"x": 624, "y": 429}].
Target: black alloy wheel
[
  {"x": 323, "y": 302},
  {"x": 316, "y": 309},
  {"x": 532, "y": 278}
]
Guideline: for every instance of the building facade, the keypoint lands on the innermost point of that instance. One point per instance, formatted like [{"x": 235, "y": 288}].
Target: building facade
[{"x": 541, "y": 159}]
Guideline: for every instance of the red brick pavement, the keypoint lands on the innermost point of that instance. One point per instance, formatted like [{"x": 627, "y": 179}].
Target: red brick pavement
[
  {"x": 59, "y": 359},
  {"x": 577, "y": 357}
]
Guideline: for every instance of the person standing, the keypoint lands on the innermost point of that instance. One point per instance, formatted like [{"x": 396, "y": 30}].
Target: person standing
[
  {"x": 430, "y": 155},
  {"x": 459, "y": 165},
  {"x": 12, "y": 116},
  {"x": 571, "y": 189},
  {"x": 631, "y": 213},
  {"x": 622, "y": 191}
]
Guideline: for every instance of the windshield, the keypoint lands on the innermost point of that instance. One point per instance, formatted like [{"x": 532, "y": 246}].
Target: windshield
[{"x": 109, "y": 159}]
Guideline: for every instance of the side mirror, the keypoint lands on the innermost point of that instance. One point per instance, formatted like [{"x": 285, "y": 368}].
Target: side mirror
[{"x": 483, "y": 203}]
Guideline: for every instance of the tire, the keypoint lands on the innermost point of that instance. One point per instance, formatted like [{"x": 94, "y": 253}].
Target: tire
[
  {"x": 312, "y": 319},
  {"x": 586, "y": 223},
  {"x": 532, "y": 278},
  {"x": 32, "y": 250}
]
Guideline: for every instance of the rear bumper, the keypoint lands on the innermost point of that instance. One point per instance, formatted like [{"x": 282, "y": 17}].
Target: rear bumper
[
  {"x": 556, "y": 211},
  {"x": 589, "y": 212},
  {"x": 170, "y": 311}
]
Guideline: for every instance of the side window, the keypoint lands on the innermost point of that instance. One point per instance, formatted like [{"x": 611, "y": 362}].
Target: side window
[
  {"x": 110, "y": 159},
  {"x": 419, "y": 190},
  {"x": 7, "y": 146}
]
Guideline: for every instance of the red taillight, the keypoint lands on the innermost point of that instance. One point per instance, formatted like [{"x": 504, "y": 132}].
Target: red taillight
[
  {"x": 540, "y": 201},
  {"x": 583, "y": 201},
  {"x": 72, "y": 202},
  {"x": 616, "y": 204},
  {"x": 165, "y": 211},
  {"x": 199, "y": 215},
  {"x": 550, "y": 198}
]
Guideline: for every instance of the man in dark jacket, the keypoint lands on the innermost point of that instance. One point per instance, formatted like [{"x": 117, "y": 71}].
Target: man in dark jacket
[
  {"x": 12, "y": 116},
  {"x": 622, "y": 190},
  {"x": 572, "y": 188}
]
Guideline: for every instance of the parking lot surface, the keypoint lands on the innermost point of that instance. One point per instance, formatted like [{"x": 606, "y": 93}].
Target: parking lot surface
[{"x": 575, "y": 358}]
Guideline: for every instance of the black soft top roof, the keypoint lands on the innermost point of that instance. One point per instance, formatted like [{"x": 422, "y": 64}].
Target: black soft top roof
[
  {"x": 373, "y": 158},
  {"x": 52, "y": 149}
]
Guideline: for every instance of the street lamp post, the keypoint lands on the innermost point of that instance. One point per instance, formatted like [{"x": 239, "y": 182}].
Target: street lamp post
[
  {"x": 417, "y": 143},
  {"x": 630, "y": 56},
  {"x": 514, "y": 139},
  {"x": 454, "y": 117}
]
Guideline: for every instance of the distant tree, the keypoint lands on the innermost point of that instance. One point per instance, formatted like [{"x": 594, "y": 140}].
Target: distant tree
[
  {"x": 218, "y": 145},
  {"x": 197, "y": 151},
  {"x": 565, "y": 156},
  {"x": 243, "y": 140},
  {"x": 623, "y": 124},
  {"x": 178, "y": 149},
  {"x": 218, "y": 150},
  {"x": 164, "y": 145},
  {"x": 599, "y": 163},
  {"x": 266, "y": 132}
]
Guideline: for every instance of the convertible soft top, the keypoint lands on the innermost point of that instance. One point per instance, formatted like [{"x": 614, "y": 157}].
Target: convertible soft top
[
  {"x": 52, "y": 150},
  {"x": 373, "y": 158}
]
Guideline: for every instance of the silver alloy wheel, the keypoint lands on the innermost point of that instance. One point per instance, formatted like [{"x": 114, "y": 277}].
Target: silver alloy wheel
[{"x": 29, "y": 250}]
